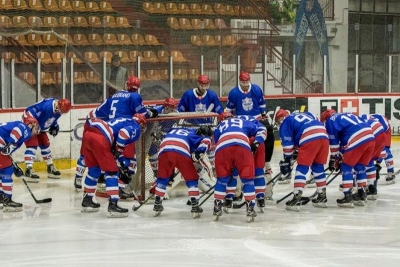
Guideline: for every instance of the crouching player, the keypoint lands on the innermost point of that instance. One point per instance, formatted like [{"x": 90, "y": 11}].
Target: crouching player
[{"x": 303, "y": 131}]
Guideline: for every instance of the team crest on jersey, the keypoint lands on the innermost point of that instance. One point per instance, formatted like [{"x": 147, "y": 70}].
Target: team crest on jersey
[
  {"x": 247, "y": 104},
  {"x": 49, "y": 122},
  {"x": 200, "y": 107}
]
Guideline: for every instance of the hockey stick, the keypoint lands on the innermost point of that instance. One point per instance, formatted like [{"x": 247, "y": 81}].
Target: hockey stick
[
  {"x": 305, "y": 200},
  {"x": 125, "y": 173},
  {"x": 205, "y": 193},
  {"x": 309, "y": 181},
  {"x": 201, "y": 203}
]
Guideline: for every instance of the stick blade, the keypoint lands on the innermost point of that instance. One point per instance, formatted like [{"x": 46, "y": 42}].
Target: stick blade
[{"x": 42, "y": 201}]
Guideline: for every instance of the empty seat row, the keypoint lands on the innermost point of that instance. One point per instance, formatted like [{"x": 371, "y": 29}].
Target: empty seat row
[
  {"x": 197, "y": 9},
  {"x": 63, "y": 21},
  {"x": 217, "y": 40},
  {"x": 49, "y": 39},
  {"x": 195, "y": 24},
  {"x": 178, "y": 74},
  {"x": 54, "y": 6}
]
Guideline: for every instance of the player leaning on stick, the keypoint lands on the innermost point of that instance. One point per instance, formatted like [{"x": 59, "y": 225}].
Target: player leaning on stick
[
  {"x": 12, "y": 135},
  {"x": 46, "y": 112},
  {"x": 309, "y": 136}
]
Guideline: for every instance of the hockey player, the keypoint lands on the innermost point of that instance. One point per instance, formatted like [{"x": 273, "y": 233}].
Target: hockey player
[
  {"x": 46, "y": 112},
  {"x": 234, "y": 151},
  {"x": 200, "y": 99},
  {"x": 351, "y": 145},
  {"x": 102, "y": 144},
  {"x": 309, "y": 136},
  {"x": 12, "y": 135},
  {"x": 248, "y": 99},
  {"x": 178, "y": 149},
  {"x": 386, "y": 153}
]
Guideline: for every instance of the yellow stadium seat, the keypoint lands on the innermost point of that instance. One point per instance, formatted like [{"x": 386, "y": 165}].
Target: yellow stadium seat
[
  {"x": 36, "y": 5},
  {"x": 20, "y": 22},
  {"x": 195, "y": 8},
  {"x": 95, "y": 22},
  {"x": 51, "y": 5},
  {"x": 229, "y": 10},
  {"x": 109, "y": 22},
  {"x": 110, "y": 39},
  {"x": 20, "y": 5},
  {"x": 195, "y": 40},
  {"x": 229, "y": 40},
  {"x": 35, "y": 21},
  {"x": 173, "y": 23},
  {"x": 65, "y": 21},
  {"x": 6, "y": 5},
  {"x": 79, "y": 77},
  {"x": 107, "y": 54},
  {"x": 95, "y": 39},
  {"x": 122, "y": 22},
  {"x": 185, "y": 24},
  {"x": 77, "y": 60},
  {"x": 183, "y": 8},
  {"x": 193, "y": 74},
  {"x": 123, "y": 39},
  {"x": 171, "y": 8},
  {"x": 159, "y": 8},
  {"x": 106, "y": 6},
  {"x": 44, "y": 57},
  {"x": 151, "y": 40},
  {"x": 148, "y": 7},
  {"x": 92, "y": 6},
  {"x": 7, "y": 56},
  {"x": 209, "y": 24},
  {"x": 26, "y": 58},
  {"x": 5, "y": 22},
  {"x": 64, "y": 37},
  {"x": 218, "y": 39},
  {"x": 50, "y": 39},
  {"x": 220, "y": 23},
  {"x": 28, "y": 77},
  {"x": 208, "y": 40},
  {"x": 133, "y": 55},
  {"x": 177, "y": 56},
  {"x": 164, "y": 74},
  {"x": 91, "y": 57},
  {"x": 180, "y": 74},
  {"x": 207, "y": 9},
  {"x": 78, "y": 6},
  {"x": 3, "y": 41},
  {"x": 137, "y": 39},
  {"x": 219, "y": 8},
  {"x": 50, "y": 22},
  {"x": 92, "y": 77},
  {"x": 153, "y": 75},
  {"x": 163, "y": 55},
  {"x": 65, "y": 5},
  {"x": 197, "y": 24},
  {"x": 80, "y": 39},
  {"x": 57, "y": 57},
  {"x": 21, "y": 39},
  {"x": 150, "y": 56},
  {"x": 35, "y": 39},
  {"x": 124, "y": 56},
  {"x": 46, "y": 78},
  {"x": 80, "y": 21}
]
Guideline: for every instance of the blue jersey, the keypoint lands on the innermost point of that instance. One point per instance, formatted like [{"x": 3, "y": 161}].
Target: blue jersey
[
  {"x": 250, "y": 103},
  {"x": 383, "y": 120},
  {"x": 184, "y": 141},
  {"x": 125, "y": 104},
  {"x": 15, "y": 133},
  {"x": 346, "y": 131},
  {"x": 192, "y": 102},
  {"x": 252, "y": 119},
  {"x": 125, "y": 131},
  {"x": 101, "y": 112},
  {"x": 44, "y": 112},
  {"x": 235, "y": 131},
  {"x": 376, "y": 126},
  {"x": 298, "y": 129}
]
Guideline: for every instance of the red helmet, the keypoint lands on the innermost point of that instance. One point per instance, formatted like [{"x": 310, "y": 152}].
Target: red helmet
[
  {"x": 140, "y": 119},
  {"x": 64, "y": 105},
  {"x": 132, "y": 84},
  {"x": 30, "y": 120},
  {"x": 280, "y": 115},
  {"x": 224, "y": 115},
  {"x": 203, "y": 79},
  {"x": 327, "y": 114},
  {"x": 244, "y": 76},
  {"x": 170, "y": 102}
]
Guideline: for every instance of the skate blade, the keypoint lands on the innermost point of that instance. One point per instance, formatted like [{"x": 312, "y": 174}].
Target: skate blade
[
  {"x": 293, "y": 208},
  {"x": 359, "y": 203},
  {"x": 227, "y": 210},
  {"x": 320, "y": 205},
  {"x": 50, "y": 176},
  {"x": 196, "y": 215},
  {"x": 270, "y": 202},
  {"x": 216, "y": 217},
  {"x": 261, "y": 209},
  {"x": 390, "y": 182},
  {"x": 311, "y": 185},
  {"x": 347, "y": 205},
  {"x": 250, "y": 219},
  {"x": 157, "y": 213},
  {"x": 12, "y": 209},
  {"x": 372, "y": 197},
  {"x": 32, "y": 180},
  {"x": 78, "y": 190},
  {"x": 89, "y": 210},
  {"x": 117, "y": 214},
  {"x": 284, "y": 182}
]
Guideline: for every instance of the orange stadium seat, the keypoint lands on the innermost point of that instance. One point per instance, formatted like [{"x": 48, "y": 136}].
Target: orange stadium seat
[
  {"x": 44, "y": 57},
  {"x": 21, "y": 39},
  {"x": 209, "y": 24},
  {"x": 163, "y": 55},
  {"x": 228, "y": 40},
  {"x": 195, "y": 40},
  {"x": 59, "y": 78},
  {"x": 122, "y": 22},
  {"x": 173, "y": 23},
  {"x": 80, "y": 39},
  {"x": 183, "y": 8},
  {"x": 91, "y": 57},
  {"x": 219, "y": 8},
  {"x": 239, "y": 11},
  {"x": 65, "y": 5},
  {"x": 106, "y": 6},
  {"x": 92, "y": 77},
  {"x": 3, "y": 41},
  {"x": 65, "y": 21},
  {"x": 51, "y": 5},
  {"x": 123, "y": 39},
  {"x": 79, "y": 77},
  {"x": 151, "y": 40},
  {"x": 150, "y": 56},
  {"x": 142, "y": 76},
  {"x": 180, "y": 74},
  {"x": 207, "y": 9},
  {"x": 95, "y": 22},
  {"x": 35, "y": 39},
  {"x": 197, "y": 24},
  {"x": 185, "y": 24},
  {"x": 46, "y": 78},
  {"x": 133, "y": 55},
  {"x": 159, "y": 8},
  {"x": 218, "y": 39},
  {"x": 124, "y": 56},
  {"x": 220, "y": 23},
  {"x": 229, "y": 10},
  {"x": 80, "y": 21},
  {"x": 164, "y": 74},
  {"x": 6, "y": 5},
  {"x": 50, "y": 39},
  {"x": 107, "y": 54},
  {"x": 110, "y": 39},
  {"x": 250, "y": 11},
  {"x": 28, "y": 77},
  {"x": 5, "y": 22},
  {"x": 148, "y": 7},
  {"x": 95, "y": 39},
  {"x": 35, "y": 21},
  {"x": 193, "y": 74},
  {"x": 208, "y": 40},
  {"x": 109, "y": 22},
  {"x": 195, "y": 8},
  {"x": 137, "y": 39},
  {"x": 78, "y": 6},
  {"x": 24, "y": 58},
  {"x": 64, "y": 37},
  {"x": 20, "y": 5},
  {"x": 177, "y": 56},
  {"x": 171, "y": 8},
  {"x": 57, "y": 57},
  {"x": 92, "y": 6},
  {"x": 7, "y": 56},
  {"x": 50, "y": 22},
  {"x": 20, "y": 21},
  {"x": 36, "y": 5},
  {"x": 153, "y": 75}
]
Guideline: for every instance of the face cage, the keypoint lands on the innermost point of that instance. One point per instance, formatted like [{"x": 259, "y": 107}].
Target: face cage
[{"x": 203, "y": 86}]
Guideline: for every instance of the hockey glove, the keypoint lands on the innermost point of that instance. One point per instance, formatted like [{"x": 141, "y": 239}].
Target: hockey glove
[
  {"x": 285, "y": 166},
  {"x": 254, "y": 146},
  {"x": 118, "y": 151},
  {"x": 53, "y": 130},
  {"x": 18, "y": 172},
  {"x": 196, "y": 156},
  {"x": 334, "y": 163},
  {"x": 8, "y": 149},
  {"x": 153, "y": 113}
]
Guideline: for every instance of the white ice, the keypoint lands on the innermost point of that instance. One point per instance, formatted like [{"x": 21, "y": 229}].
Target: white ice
[{"x": 58, "y": 234}]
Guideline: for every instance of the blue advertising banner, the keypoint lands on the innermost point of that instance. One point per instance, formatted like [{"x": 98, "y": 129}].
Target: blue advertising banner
[{"x": 310, "y": 15}]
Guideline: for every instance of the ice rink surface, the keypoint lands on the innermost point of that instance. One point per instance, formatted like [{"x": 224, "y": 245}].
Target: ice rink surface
[{"x": 58, "y": 234}]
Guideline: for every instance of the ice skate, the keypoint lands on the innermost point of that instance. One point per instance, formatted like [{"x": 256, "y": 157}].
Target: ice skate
[
  {"x": 101, "y": 190},
  {"x": 261, "y": 204},
  {"x": 124, "y": 195},
  {"x": 52, "y": 172},
  {"x": 269, "y": 190},
  {"x": 217, "y": 209},
  {"x": 390, "y": 178},
  {"x": 78, "y": 183},
  {"x": 228, "y": 205},
  {"x": 1, "y": 199},
  {"x": 9, "y": 205},
  {"x": 285, "y": 179},
  {"x": 88, "y": 205},
  {"x": 31, "y": 176},
  {"x": 310, "y": 183},
  {"x": 115, "y": 211},
  {"x": 196, "y": 210},
  {"x": 372, "y": 193},
  {"x": 294, "y": 204},
  {"x": 359, "y": 197},
  {"x": 347, "y": 201},
  {"x": 250, "y": 212},
  {"x": 158, "y": 207},
  {"x": 320, "y": 200}
]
